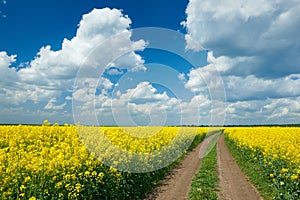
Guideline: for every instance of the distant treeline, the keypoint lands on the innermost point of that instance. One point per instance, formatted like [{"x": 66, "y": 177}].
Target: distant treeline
[
  {"x": 242, "y": 125},
  {"x": 230, "y": 125}
]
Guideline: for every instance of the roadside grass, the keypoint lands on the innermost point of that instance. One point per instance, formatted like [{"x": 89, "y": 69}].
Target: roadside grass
[
  {"x": 253, "y": 170},
  {"x": 205, "y": 181},
  {"x": 197, "y": 140}
]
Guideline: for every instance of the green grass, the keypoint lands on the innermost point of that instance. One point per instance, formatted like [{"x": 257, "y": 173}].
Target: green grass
[
  {"x": 204, "y": 182},
  {"x": 253, "y": 169},
  {"x": 197, "y": 140}
]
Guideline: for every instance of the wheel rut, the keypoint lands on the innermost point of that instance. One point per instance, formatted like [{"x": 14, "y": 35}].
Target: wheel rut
[{"x": 233, "y": 184}]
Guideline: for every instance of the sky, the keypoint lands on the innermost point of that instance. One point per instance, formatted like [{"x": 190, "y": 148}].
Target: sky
[{"x": 99, "y": 62}]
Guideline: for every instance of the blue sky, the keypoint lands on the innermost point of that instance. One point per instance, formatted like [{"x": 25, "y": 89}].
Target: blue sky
[
  {"x": 215, "y": 62},
  {"x": 33, "y": 24}
]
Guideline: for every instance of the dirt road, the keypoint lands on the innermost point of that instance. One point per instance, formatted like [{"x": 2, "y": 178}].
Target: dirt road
[
  {"x": 233, "y": 183},
  {"x": 177, "y": 183}
]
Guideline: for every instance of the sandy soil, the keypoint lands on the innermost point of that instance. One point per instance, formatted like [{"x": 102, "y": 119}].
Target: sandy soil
[
  {"x": 177, "y": 183},
  {"x": 233, "y": 183}
]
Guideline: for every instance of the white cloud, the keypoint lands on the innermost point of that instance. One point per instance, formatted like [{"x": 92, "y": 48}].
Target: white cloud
[
  {"x": 144, "y": 104},
  {"x": 181, "y": 77},
  {"x": 145, "y": 91},
  {"x": 86, "y": 90},
  {"x": 17, "y": 96},
  {"x": 256, "y": 50},
  {"x": 115, "y": 71},
  {"x": 51, "y": 105},
  {"x": 205, "y": 79},
  {"x": 191, "y": 44},
  {"x": 131, "y": 61},
  {"x": 68, "y": 98},
  {"x": 141, "y": 104},
  {"x": 5, "y": 62},
  {"x": 281, "y": 110},
  {"x": 250, "y": 42},
  {"x": 251, "y": 87},
  {"x": 224, "y": 63},
  {"x": 265, "y": 31},
  {"x": 105, "y": 83},
  {"x": 51, "y": 73},
  {"x": 94, "y": 28}
]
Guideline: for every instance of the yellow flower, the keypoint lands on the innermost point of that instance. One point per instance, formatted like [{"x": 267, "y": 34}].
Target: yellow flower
[
  {"x": 87, "y": 173},
  {"x": 283, "y": 170},
  {"x": 113, "y": 170},
  {"x": 67, "y": 185},
  {"x": 281, "y": 183},
  {"x": 294, "y": 177},
  {"x": 94, "y": 173},
  {"x": 78, "y": 187},
  {"x": 59, "y": 184},
  {"x": 22, "y": 187},
  {"x": 32, "y": 198},
  {"x": 27, "y": 179},
  {"x": 271, "y": 175},
  {"x": 59, "y": 153},
  {"x": 101, "y": 175}
]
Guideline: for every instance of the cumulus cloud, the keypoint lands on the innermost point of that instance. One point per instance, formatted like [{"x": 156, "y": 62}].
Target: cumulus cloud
[
  {"x": 5, "y": 60},
  {"x": 207, "y": 79},
  {"x": 145, "y": 102},
  {"x": 144, "y": 91},
  {"x": 135, "y": 106},
  {"x": 253, "y": 60},
  {"x": 269, "y": 111},
  {"x": 255, "y": 47},
  {"x": 8, "y": 74},
  {"x": 114, "y": 71},
  {"x": 240, "y": 87},
  {"x": 160, "y": 107},
  {"x": 265, "y": 31},
  {"x": 51, "y": 73},
  {"x": 94, "y": 28},
  {"x": 192, "y": 44},
  {"x": 51, "y": 105}
]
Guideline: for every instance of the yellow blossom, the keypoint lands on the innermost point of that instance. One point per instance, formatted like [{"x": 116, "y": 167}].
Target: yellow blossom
[
  {"x": 22, "y": 187},
  {"x": 284, "y": 170},
  {"x": 294, "y": 177}
]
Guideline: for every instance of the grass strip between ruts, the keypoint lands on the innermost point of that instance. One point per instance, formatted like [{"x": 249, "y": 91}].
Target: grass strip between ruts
[{"x": 204, "y": 182}]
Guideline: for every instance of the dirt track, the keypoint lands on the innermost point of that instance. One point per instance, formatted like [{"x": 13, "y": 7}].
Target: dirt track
[
  {"x": 233, "y": 183},
  {"x": 177, "y": 183}
]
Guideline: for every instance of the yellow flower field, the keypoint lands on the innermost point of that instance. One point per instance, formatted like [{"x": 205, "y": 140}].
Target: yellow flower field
[
  {"x": 278, "y": 151},
  {"x": 58, "y": 162}
]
